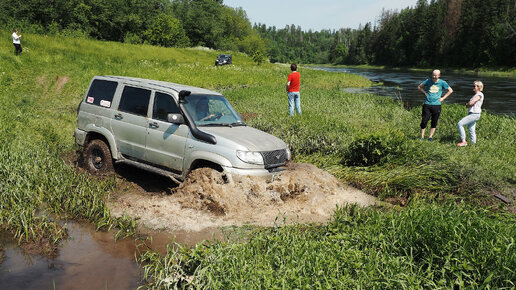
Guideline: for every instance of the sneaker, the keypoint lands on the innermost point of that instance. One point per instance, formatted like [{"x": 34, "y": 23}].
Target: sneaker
[
  {"x": 462, "y": 144},
  {"x": 430, "y": 139}
]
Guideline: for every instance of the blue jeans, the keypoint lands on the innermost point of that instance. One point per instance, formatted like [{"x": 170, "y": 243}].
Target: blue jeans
[
  {"x": 294, "y": 98},
  {"x": 471, "y": 121}
]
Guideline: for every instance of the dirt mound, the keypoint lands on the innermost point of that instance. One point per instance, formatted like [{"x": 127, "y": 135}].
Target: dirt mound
[{"x": 208, "y": 199}]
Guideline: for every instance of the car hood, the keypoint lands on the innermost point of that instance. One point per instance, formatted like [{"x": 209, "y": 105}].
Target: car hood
[{"x": 249, "y": 137}]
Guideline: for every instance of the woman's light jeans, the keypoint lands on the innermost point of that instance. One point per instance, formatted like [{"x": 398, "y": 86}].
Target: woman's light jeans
[
  {"x": 471, "y": 121},
  {"x": 294, "y": 98}
]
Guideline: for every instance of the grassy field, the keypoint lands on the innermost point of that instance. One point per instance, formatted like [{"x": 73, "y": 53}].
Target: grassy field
[{"x": 450, "y": 232}]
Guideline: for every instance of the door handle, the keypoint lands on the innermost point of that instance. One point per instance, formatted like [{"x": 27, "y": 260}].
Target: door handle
[
  {"x": 154, "y": 125},
  {"x": 119, "y": 116}
]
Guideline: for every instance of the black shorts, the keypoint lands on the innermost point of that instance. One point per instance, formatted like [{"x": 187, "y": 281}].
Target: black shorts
[{"x": 430, "y": 111}]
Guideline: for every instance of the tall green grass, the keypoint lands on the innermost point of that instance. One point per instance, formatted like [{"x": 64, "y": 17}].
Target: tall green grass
[{"x": 423, "y": 246}]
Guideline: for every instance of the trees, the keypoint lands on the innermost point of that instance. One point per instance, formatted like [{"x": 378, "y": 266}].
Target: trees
[
  {"x": 466, "y": 33},
  {"x": 167, "y": 31}
]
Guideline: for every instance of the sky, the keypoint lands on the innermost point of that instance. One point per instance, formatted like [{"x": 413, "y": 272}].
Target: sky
[{"x": 316, "y": 14}]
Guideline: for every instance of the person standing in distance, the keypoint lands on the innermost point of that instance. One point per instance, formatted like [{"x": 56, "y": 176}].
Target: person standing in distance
[
  {"x": 16, "y": 41},
  {"x": 432, "y": 107},
  {"x": 474, "y": 109},
  {"x": 294, "y": 98}
]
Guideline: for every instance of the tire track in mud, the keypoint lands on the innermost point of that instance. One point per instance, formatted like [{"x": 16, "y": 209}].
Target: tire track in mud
[{"x": 208, "y": 199}]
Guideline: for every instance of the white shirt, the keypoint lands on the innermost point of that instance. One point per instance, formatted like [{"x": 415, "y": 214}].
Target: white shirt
[
  {"x": 16, "y": 38},
  {"x": 477, "y": 107}
]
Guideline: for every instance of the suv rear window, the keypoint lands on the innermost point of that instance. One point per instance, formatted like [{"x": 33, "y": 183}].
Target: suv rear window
[
  {"x": 101, "y": 93},
  {"x": 135, "y": 100}
]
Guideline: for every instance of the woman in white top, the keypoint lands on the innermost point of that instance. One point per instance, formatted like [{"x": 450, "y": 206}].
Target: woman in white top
[
  {"x": 474, "y": 109},
  {"x": 16, "y": 42}
]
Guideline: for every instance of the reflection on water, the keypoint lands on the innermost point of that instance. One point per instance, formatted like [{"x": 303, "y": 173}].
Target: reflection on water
[
  {"x": 500, "y": 93},
  {"x": 90, "y": 259}
]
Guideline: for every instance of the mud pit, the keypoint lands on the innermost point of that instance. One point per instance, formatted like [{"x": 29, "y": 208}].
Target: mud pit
[{"x": 207, "y": 199}]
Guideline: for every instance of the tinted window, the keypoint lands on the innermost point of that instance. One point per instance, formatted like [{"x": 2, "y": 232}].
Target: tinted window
[
  {"x": 101, "y": 93},
  {"x": 163, "y": 105},
  {"x": 135, "y": 100}
]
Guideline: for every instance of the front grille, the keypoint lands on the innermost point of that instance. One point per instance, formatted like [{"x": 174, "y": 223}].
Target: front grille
[{"x": 274, "y": 158}]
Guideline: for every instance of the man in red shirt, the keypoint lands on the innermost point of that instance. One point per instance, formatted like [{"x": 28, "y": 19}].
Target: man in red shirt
[{"x": 294, "y": 98}]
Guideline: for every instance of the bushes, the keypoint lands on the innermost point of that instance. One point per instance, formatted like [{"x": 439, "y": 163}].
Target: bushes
[{"x": 366, "y": 151}]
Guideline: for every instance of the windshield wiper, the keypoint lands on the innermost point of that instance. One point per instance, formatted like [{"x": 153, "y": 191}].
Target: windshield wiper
[
  {"x": 215, "y": 125},
  {"x": 239, "y": 123}
]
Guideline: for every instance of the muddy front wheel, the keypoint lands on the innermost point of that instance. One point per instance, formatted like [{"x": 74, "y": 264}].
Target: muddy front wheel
[{"x": 97, "y": 157}]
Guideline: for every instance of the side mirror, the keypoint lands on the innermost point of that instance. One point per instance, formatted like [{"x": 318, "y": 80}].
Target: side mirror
[{"x": 175, "y": 119}]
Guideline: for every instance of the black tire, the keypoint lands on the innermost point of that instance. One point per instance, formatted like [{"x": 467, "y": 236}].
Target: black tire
[{"x": 97, "y": 157}]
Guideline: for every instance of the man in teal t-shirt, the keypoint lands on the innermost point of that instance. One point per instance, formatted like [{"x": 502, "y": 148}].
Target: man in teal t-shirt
[{"x": 434, "y": 88}]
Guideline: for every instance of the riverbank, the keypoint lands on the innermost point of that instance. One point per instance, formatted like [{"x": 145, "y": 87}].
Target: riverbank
[{"x": 485, "y": 72}]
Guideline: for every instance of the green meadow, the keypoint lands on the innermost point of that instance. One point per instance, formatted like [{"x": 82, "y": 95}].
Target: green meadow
[{"x": 439, "y": 226}]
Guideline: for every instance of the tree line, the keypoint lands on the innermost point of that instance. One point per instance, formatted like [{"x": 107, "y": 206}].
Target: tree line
[
  {"x": 170, "y": 23},
  {"x": 461, "y": 33}
]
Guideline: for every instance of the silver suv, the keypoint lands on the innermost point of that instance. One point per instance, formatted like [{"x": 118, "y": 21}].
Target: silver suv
[{"x": 170, "y": 129}]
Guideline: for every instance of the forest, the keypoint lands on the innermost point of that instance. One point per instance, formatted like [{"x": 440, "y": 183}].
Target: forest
[{"x": 451, "y": 33}]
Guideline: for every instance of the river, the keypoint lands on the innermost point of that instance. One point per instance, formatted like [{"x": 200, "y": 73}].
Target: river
[{"x": 500, "y": 93}]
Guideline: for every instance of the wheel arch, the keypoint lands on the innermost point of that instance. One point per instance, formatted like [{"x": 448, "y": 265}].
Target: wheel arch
[{"x": 104, "y": 135}]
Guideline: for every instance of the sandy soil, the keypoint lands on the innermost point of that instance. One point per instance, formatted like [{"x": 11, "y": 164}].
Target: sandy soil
[{"x": 208, "y": 199}]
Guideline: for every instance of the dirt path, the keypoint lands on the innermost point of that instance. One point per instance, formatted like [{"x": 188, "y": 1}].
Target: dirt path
[{"x": 303, "y": 193}]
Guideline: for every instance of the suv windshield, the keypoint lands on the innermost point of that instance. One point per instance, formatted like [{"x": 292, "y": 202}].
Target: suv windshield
[{"x": 211, "y": 110}]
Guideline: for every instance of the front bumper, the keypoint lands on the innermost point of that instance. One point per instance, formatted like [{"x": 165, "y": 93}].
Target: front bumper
[{"x": 239, "y": 173}]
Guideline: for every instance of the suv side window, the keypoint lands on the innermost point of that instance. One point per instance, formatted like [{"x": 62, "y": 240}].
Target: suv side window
[
  {"x": 101, "y": 93},
  {"x": 164, "y": 104},
  {"x": 135, "y": 101}
]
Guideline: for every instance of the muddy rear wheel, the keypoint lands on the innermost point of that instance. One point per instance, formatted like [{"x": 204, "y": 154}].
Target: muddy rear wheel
[{"x": 97, "y": 157}]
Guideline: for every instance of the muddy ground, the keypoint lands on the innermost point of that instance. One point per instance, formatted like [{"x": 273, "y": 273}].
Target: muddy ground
[{"x": 209, "y": 199}]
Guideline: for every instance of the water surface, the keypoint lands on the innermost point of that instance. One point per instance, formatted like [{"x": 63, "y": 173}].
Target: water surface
[
  {"x": 500, "y": 93},
  {"x": 89, "y": 259}
]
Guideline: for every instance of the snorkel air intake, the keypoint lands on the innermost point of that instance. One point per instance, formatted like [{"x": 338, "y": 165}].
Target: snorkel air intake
[{"x": 201, "y": 135}]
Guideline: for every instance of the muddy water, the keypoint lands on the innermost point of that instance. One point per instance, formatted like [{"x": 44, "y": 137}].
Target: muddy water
[
  {"x": 199, "y": 209},
  {"x": 208, "y": 199},
  {"x": 88, "y": 260}
]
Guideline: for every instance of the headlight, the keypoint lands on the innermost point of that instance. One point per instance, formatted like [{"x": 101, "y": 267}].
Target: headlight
[
  {"x": 289, "y": 155},
  {"x": 250, "y": 157}
]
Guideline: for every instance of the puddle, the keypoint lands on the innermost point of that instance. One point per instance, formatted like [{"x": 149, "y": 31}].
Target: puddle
[{"x": 88, "y": 260}]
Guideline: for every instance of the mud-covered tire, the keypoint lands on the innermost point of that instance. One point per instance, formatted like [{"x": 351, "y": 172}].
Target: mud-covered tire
[{"x": 97, "y": 157}]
